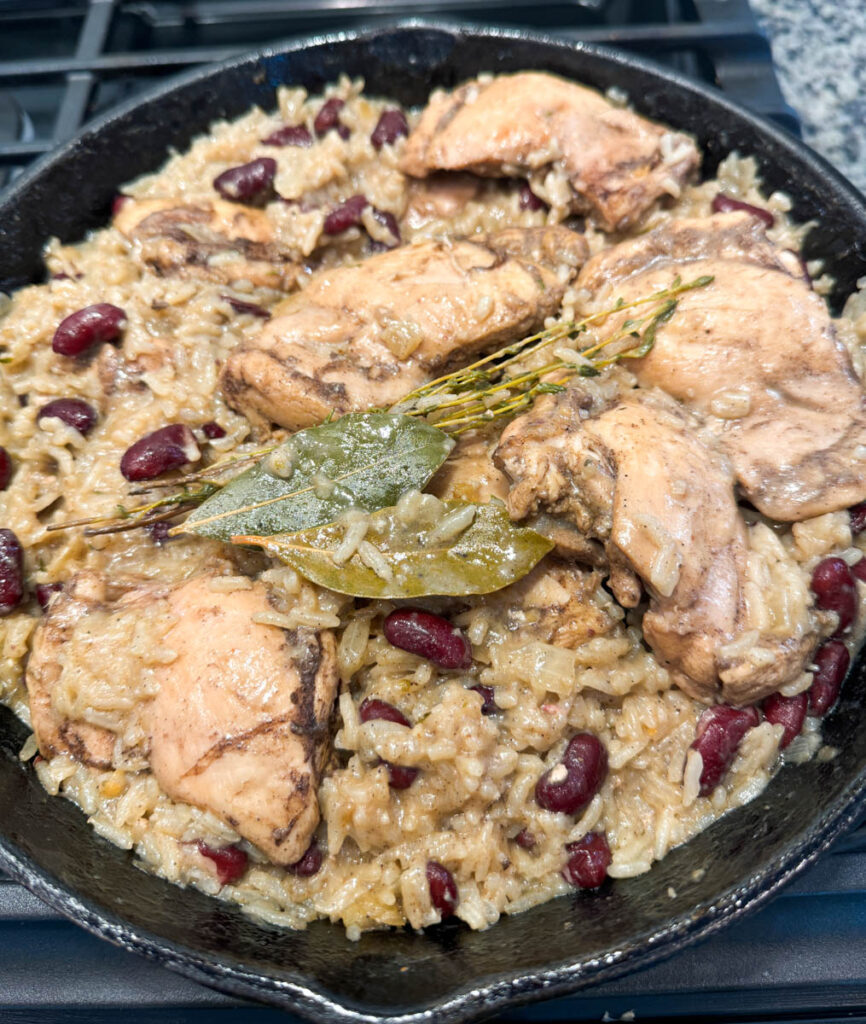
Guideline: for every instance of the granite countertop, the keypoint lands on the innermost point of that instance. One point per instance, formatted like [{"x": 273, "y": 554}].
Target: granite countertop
[{"x": 819, "y": 48}]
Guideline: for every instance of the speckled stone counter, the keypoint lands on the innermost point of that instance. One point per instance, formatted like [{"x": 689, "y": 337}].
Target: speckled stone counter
[{"x": 819, "y": 48}]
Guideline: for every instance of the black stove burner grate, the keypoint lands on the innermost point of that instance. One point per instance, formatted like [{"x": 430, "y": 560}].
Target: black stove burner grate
[{"x": 64, "y": 61}]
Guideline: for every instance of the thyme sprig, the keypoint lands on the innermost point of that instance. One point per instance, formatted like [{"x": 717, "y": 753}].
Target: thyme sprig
[
  {"x": 499, "y": 385},
  {"x": 123, "y": 519},
  {"x": 205, "y": 474},
  {"x": 506, "y": 383}
]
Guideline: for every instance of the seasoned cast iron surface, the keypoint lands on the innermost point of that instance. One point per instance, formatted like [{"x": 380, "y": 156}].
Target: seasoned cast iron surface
[{"x": 567, "y": 943}]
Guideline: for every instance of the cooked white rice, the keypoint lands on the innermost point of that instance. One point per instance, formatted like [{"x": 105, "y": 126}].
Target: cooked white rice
[{"x": 475, "y": 793}]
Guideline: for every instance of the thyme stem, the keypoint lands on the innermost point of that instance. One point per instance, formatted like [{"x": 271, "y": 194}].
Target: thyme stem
[
  {"x": 469, "y": 395},
  {"x": 470, "y": 398}
]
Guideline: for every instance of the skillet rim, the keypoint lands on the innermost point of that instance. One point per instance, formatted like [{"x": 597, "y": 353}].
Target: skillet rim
[{"x": 521, "y": 986}]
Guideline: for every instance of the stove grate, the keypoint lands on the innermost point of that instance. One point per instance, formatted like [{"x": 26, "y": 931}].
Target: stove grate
[{"x": 63, "y": 63}]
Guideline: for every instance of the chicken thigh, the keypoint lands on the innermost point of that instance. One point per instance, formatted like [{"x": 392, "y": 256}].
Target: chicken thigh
[
  {"x": 230, "y": 714},
  {"x": 755, "y": 353},
  {"x": 617, "y": 164},
  {"x": 637, "y": 477},
  {"x": 362, "y": 337},
  {"x": 212, "y": 239}
]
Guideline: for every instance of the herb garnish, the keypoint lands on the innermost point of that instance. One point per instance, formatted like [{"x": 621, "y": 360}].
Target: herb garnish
[
  {"x": 291, "y": 501},
  {"x": 499, "y": 385},
  {"x": 403, "y": 561}
]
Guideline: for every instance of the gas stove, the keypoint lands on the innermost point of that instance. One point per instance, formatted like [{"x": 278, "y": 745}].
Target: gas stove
[{"x": 64, "y": 61}]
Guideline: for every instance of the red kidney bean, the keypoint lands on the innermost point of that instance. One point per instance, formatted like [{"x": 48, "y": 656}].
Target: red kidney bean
[
  {"x": 429, "y": 636},
  {"x": 719, "y": 733},
  {"x": 290, "y": 135},
  {"x": 831, "y": 663},
  {"x": 727, "y": 204},
  {"x": 87, "y": 327},
  {"x": 45, "y": 591},
  {"x": 74, "y": 412},
  {"x": 400, "y": 776},
  {"x": 11, "y": 572},
  {"x": 443, "y": 889},
  {"x": 230, "y": 861},
  {"x": 389, "y": 222},
  {"x": 834, "y": 590},
  {"x": 213, "y": 431},
  {"x": 372, "y": 709},
  {"x": 829, "y": 574},
  {"x": 328, "y": 117},
  {"x": 390, "y": 126},
  {"x": 165, "y": 449},
  {"x": 570, "y": 785},
  {"x": 240, "y": 306},
  {"x": 789, "y": 712},
  {"x": 807, "y": 277},
  {"x": 251, "y": 183},
  {"x": 529, "y": 200},
  {"x": 5, "y": 468},
  {"x": 159, "y": 532},
  {"x": 488, "y": 699},
  {"x": 858, "y": 570},
  {"x": 310, "y": 863},
  {"x": 118, "y": 203},
  {"x": 346, "y": 215},
  {"x": 588, "y": 861},
  {"x": 525, "y": 839},
  {"x": 857, "y": 514}
]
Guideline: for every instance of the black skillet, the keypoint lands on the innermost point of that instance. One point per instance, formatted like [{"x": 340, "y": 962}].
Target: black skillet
[{"x": 566, "y": 944}]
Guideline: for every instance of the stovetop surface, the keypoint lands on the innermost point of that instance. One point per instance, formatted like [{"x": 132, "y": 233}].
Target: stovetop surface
[{"x": 801, "y": 958}]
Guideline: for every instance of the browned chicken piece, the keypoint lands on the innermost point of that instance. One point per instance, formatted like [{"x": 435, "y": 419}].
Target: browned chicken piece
[
  {"x": 362, "y": 337},
  {"x": 637, "y": 477},
  {"x": 61, "y": 639},
  {"x": 240, "y": 723},
  {"x": 755, "y": 353},
  {"x": 568, "y": 542},
  {"x": 553, "y": 604},
  {"x": 469, "y": 474},
  {"x": 440, "y": 197},
  {"x": 617, "y": 163},
  {"x": 233, "y": 713},
  {"x": 211, "y": 239}
]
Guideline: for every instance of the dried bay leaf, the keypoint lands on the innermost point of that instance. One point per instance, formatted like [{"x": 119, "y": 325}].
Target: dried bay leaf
[
  {"x": 363, "y": 460},
  {"x": 488, "y": 555}
]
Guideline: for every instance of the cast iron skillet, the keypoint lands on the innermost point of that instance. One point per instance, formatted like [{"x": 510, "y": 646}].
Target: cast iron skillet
[{"x": 563, "y": 945}]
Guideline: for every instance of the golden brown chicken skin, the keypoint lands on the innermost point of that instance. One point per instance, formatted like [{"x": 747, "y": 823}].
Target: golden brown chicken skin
[
  {"x": 637, "y": 477},
  {"x": 211, "y": 239},
  {"x": 63, "y": 638},
  {"x": 616, "y": 163},
  {"x": 361, "y": 337},
  {"x": 232, "y": 714},
  {"x": 755, "y": 353}
]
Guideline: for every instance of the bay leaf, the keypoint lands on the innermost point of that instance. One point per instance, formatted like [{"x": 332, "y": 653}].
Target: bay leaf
[
  {"x": 363, "y": 460},
  {"x": 488, "y": 555}
]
